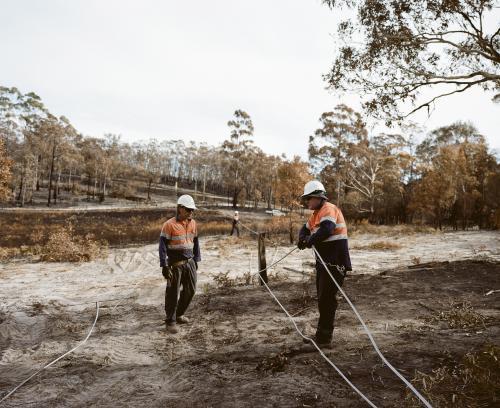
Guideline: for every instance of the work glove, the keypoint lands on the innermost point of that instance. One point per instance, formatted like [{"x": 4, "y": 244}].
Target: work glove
[
  {"x": 166, "y": 271},
  {"x": 302, "y": 244},
  {"x": 309, "y": 243}
]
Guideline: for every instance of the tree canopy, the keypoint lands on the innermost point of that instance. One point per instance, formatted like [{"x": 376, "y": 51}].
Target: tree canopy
[
  {"x": 450, "y": 177},
  {"x": 395, "y": 52}
]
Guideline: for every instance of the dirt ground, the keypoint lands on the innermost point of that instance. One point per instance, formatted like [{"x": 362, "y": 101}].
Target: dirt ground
[{"x": 240, "y": 349}]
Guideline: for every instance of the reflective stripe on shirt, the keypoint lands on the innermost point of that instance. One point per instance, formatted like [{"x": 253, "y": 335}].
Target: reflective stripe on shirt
[
  {"x": 335, "y": 237},
  {"x": 328, "y": 218}
]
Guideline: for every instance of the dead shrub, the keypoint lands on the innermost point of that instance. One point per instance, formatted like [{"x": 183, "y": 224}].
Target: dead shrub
[
  {"x": 459, "y": 315},
  {"x": 274, "y": 363},
  {"x": 64, "y": 246},
  {"x": 472, "y": 383},
  {"x": 248, "y": 278},
  {"x": 415, "y": 260},
  {"x": 222, "y": 280},
  {"x": 9, "y": 253}
]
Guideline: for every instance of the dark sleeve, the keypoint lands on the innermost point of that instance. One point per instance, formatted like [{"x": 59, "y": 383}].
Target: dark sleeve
[
  {"x": 326, "y": 229},
  {"x": 196, "y": 249},
  {"x": 303, "y": 233},
  {"x": 162, "y": 250}
]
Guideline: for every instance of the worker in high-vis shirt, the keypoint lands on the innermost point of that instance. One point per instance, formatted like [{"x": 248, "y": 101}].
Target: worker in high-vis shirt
[
  {"x": 236, "y": 221},
  {"x": 179, "y": 256},
  {"x": 327, "y": 231}
]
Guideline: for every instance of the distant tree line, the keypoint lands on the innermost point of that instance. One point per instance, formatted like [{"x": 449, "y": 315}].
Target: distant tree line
[
  {"x": 41, "y": 152},
  {"x": 449, "y": 178}
]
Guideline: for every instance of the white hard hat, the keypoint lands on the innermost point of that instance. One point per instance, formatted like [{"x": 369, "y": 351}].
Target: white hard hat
[
  {"x": 314, "y": 188},
  {"x": 186, "y": 201},
  {"x": 236, "y": 212}
]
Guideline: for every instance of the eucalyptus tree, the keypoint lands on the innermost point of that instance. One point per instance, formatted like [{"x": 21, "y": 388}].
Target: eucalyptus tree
[{"x": 393, "y": 51}]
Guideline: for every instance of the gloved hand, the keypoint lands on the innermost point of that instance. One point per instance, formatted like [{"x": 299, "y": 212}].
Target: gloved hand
[
  {"x": 166, "y": 271},
  {"x": 309, "y": 242},
  {"x": 302, "y": 244}
]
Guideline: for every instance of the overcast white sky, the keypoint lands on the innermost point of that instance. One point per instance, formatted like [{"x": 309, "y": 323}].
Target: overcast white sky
[{"x": 179, "y": 69}]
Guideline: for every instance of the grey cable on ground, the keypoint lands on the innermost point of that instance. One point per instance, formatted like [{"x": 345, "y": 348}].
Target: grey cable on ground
[
  {"x": 308, "y": 338},
  {"x": 408, "y": 384},
  {"x": 58, "y": 358}
]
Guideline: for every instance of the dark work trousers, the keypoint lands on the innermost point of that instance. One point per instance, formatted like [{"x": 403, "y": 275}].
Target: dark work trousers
[
  {"x": 327, "y": 299},
  {"x": 235, "y": 228},
  {"x": 176, "y": 299}
]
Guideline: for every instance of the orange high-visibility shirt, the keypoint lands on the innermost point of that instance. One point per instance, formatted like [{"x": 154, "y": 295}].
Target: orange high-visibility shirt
[
  {"x": 178, "y": 241},
  {"x": 179, "y": 235},
  {"x": 328, "y": 212}
]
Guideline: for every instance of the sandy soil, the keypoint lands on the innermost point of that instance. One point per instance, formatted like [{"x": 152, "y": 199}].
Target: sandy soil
[{"x": 239, "y": 350}]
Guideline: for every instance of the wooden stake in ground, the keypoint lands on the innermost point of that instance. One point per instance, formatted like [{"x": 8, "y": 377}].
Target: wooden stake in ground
[{"x": 262, "y": 257}]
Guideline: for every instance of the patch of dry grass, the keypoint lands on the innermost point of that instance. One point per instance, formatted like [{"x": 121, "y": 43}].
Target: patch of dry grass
[
  {"x": 459, "y": 315},
  {"x": 389, "y": 230},
  {"x": 223, "y": 280},
  {"x": 472, "y": 383},
  {"x": 284, "y": 228},
  {"x": 379, "y": 246},
  {"x": 33, "y": 230},
  {"x": 215, "y": 228}
]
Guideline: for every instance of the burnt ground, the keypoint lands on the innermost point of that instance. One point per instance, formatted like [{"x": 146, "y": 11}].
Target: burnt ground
[
  {"x": 240, "y": 349},
  {"x": 117, "y": 227}
]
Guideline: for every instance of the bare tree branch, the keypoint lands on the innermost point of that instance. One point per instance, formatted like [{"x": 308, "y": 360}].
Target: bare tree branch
[{"x": 442, "y": 96}]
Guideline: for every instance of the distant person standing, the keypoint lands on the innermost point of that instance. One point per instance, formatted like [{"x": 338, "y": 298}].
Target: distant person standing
[
  {"x": 179, "y": 252},
  {"x": 236, "y": 221},
  {"x": 327, "y": 231}
]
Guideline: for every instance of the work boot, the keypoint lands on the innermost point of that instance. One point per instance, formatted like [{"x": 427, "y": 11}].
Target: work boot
[
  {"x": 172, "y": 328},
  {"x": 182, "y": 320},
  {"x": 320, "y": 341}
]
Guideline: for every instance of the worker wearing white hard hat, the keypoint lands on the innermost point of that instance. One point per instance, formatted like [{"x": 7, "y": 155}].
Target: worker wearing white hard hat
[
  {"x": 179, "y": 256},
  {"x": 326, "y": 230},
  {"x": 235, "y": 225},
  {"x": 314, "y": 188},
  {"x": 186, "y": 201}
]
